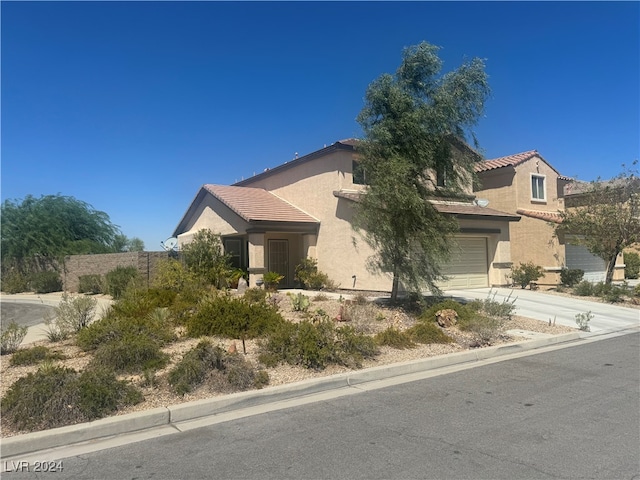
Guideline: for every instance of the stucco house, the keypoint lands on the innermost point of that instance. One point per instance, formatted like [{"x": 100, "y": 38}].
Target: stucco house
[
  {"x": 304, "y": 207},
  {"x": 527, "y": 185}
]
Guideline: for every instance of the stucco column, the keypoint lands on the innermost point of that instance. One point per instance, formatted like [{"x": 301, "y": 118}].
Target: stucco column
[
  {"x": 309, "y": 242},
  {"x": 256, "y": 258}
]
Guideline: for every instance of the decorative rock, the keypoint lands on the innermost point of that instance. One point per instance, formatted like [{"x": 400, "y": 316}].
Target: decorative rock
[
  {"x": 242, "y": 285},
  {"x": 233, "y": 348},
  {"x": 446, "y": 318}
]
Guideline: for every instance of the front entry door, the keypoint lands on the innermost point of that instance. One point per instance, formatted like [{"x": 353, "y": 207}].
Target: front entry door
[{"x": 279, "y": 259}]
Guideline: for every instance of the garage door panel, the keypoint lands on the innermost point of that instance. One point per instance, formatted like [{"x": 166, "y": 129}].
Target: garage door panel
[
  {"x": 468, "y": 266},
  {"x": 577, "y": 256}
]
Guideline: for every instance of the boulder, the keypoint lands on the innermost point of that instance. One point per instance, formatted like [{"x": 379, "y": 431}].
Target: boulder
[{"x": 446, "y": 318}]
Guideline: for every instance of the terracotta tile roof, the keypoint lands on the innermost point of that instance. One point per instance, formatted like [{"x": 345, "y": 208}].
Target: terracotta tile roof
[
  {"x": 540, "y": 215},
  {"x": 257, "y": 204},
  {"x": 509, "y": 161}
]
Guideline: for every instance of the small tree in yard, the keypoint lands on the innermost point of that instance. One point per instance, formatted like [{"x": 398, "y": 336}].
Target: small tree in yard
[
  {"x": 605, "y": 217},
  {"x": 205, "y": 258},
  {"x": 410, "y": 122},
  {"x": 526, "y": 273}
]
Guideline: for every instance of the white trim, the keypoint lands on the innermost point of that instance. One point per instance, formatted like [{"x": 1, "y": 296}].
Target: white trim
[{"x": 544, "y": 185}]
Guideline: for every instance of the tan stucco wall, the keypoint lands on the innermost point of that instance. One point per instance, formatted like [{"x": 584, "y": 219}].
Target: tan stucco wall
[{"x": 213, "y": 215}]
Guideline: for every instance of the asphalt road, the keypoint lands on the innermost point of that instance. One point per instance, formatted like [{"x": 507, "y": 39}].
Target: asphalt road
[
  {"x": 570, "y": 413},
  {"x": 26, "y": 314}
]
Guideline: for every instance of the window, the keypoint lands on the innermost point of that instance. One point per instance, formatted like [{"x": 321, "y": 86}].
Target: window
[
  {"x": 234, "y": 248},
  {"x": 359, "y": 175},
  {"x": 538, "y": 187}
]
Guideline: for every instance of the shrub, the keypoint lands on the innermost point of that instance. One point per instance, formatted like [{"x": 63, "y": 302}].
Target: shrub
[
  {"x": 232, "y": 317},
  {"x": 93, "y": 284},
  {"x": 33, "y": 355},
  {"x": 609, "y": 292},
  {"x": 57, "y": 396},
  {"x": 583, "y": 289},
  {"x": 241, "y": 375},
  {"x": 394, "y": 338},
  {"x": 14, "y": 281},
  {"x": 526, "y": 273},
  {"x": 204, "y": 258},
  {"x": 570, "y": 277},
  {"x": 117, "y": 324},
  {"x": 271, "y": 280},
  {"x": 636, "y": 290},
  {"x": 192, "y": 370},
  {"x": 583, "y": 319},
  {"x": 130, "y": 354},
  {"x": 73, "y": 313},
  {"x": 493, "y": 308},
  {"x": 46, "y": 282},
  {"x": 484, "y": 328},
  {"x": 428, "y": 332},
  {"x": 316, "y": 345},
  {"x": 464, "y": 312},
  {"x": 631, "y": 265},
  {"x": 11, "y": 337},
  {"x": 255, "y": 295},
  {"x": 119, "y": 279},
  {"x": 172, "y": 274}
]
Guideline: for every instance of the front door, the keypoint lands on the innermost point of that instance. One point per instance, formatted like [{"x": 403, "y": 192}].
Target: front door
[{"x": 279, "y": 259}]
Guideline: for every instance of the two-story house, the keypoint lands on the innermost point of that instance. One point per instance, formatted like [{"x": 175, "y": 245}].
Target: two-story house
[
  {"x": 304, "y": 208},
  {"x": 527, "y": 185}
]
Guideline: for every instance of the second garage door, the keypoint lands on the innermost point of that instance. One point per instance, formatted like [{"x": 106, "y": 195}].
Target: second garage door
[{"x": 469, "y": 266}]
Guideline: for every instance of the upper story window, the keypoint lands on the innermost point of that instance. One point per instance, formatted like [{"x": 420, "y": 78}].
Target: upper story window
[
  {"x": 538, "y": 190},
  {"x": 359, "y": 174}
]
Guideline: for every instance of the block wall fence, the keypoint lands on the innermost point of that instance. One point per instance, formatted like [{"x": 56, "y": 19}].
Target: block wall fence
[{"x": 77, "y": 265}]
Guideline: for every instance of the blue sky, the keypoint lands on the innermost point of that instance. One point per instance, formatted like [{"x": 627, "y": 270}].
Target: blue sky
[{"x": 131, "y": 107}]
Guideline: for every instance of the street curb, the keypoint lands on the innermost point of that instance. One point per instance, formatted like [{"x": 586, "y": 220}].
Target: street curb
[{"x": 162, "y": 416}]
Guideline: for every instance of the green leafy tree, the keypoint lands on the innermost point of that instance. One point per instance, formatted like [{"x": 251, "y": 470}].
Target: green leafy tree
[
  {"x": 122, "y": 243},
  {"x": 44, "y": 230},
  {"x": 604, "y": 216},
  {"x": 205, "y": 258},
  {"x": 411, "y": 122}
]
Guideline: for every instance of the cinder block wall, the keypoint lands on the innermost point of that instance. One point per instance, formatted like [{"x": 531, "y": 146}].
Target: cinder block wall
[{"x": 77, "y": 265}]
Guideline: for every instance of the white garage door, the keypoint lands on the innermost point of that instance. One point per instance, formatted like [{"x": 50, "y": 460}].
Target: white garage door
[
  {"x": 595, "y": 268},
  {"x": 468, "y": 267}
]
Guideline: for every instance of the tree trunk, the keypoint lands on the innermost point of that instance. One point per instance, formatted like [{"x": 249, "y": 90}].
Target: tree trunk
[
  {"x": 394, "y": 286},
  {"x": 611, "y": 265}
]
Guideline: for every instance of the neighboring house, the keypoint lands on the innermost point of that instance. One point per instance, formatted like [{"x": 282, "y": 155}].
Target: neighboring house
[
  {"x": 304, "y": 208},
  {"x": 527, "y": 185}
]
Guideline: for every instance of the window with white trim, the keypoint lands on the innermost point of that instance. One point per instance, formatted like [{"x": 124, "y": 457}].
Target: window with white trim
[{"x": 538, "y": 187}]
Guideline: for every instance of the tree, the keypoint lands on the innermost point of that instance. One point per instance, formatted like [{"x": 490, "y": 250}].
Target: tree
[
  {"x": 44, "y": 230},
  {"x": 122, "y": 243},
  {"x": 604, "y": 216},
  {"x": 204, "y": 257},
  {"x": 411, "y": 122},
  {"x": 135, "y": 244}
]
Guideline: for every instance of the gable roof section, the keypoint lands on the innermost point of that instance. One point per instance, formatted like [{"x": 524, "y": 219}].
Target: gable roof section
[
  {"x": 257, "y": 204},
  {"x": 513, "y": 161},
  {"x": 348, "y": 145}
]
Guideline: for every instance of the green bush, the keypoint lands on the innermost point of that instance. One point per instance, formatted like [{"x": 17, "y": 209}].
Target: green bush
[
  {"x": 464, "y": 312},
  {"x": 428, "y": 332},
  {"x": 33, "y": 355},
  {"x": 526, "y": 273},
  {"x": 232, "y": 317},
  {"x": 93, "y": 284},
  {"x": 306, "y": 272},
  {"x": 491, "y": 307},
  {"x": 130, "y": 354},
  {"x": 11, "y": 337},
  {"x": 204, "y": 258},
  {"x": 394, "y": 338},
  {"x": 636, "y": 290},
  {"x": 583, "y": 289},
  {"x": 255, "y": 295},
  {"x": 14, "y": 281},
  {"x": 631, "y": 265},
  {"x": 299, "y": 302},
  {"x": 192, "y": 370},
  {"x": 583, "y": 319},
  {"x": 609, "y": 292},
  {"x": 56, "y": 396},
  {"x": 242, "y": 375},
  {"x": 46, "y": 282},
  {"x": 484, "y": 328},
  {"x": 316, "y": 345},
  {"x": 73, "y": 313},
  {"x": 272, "y": 280},
  {"x": 570, "y": 277},
  {"x": 119, "y": 279}
]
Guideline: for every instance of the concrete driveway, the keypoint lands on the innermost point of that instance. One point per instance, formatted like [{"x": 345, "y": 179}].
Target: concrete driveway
[{"x": 544, "y": 306}]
